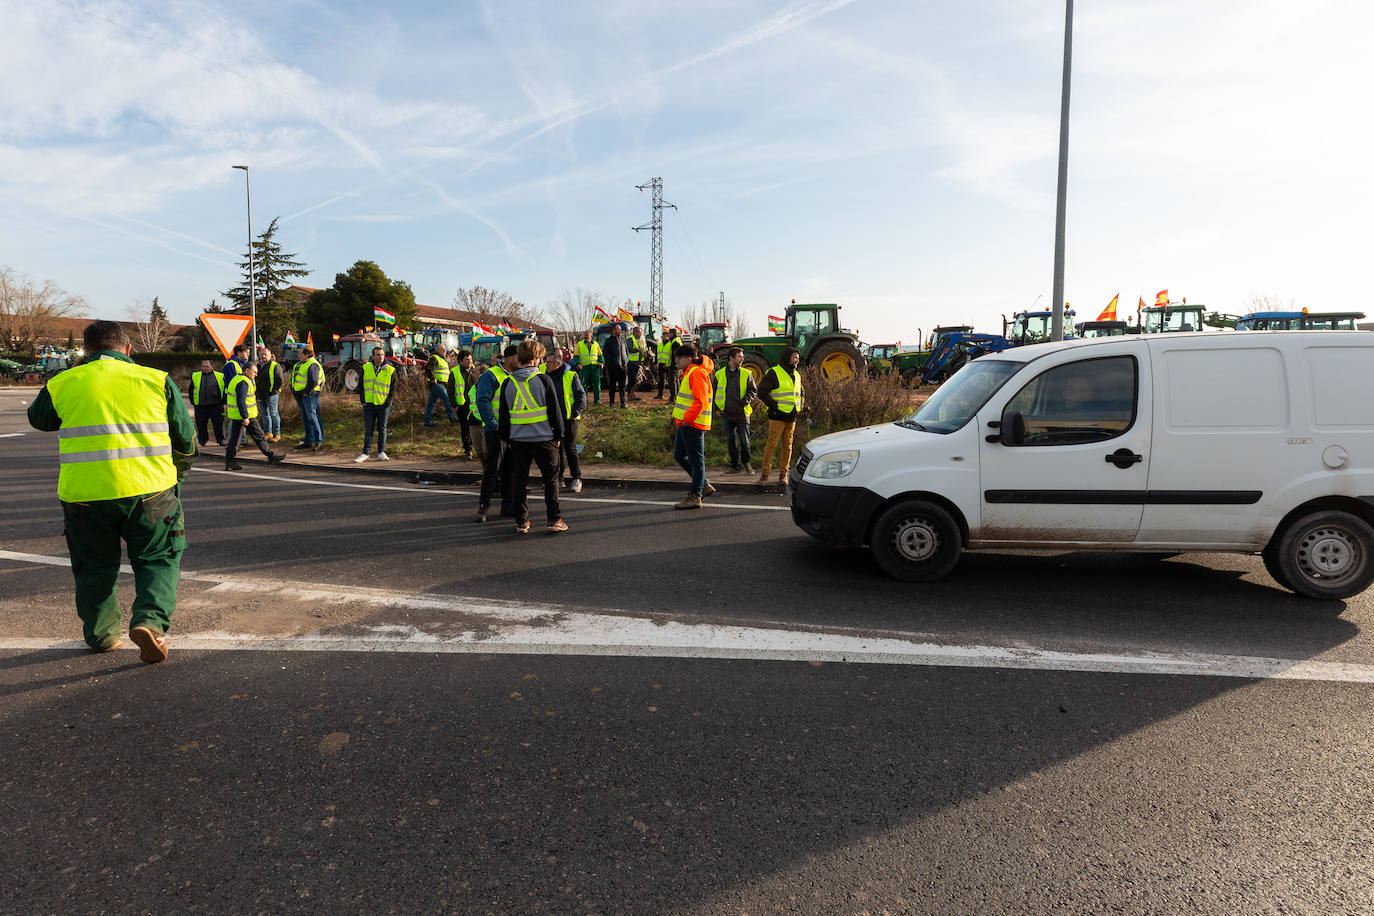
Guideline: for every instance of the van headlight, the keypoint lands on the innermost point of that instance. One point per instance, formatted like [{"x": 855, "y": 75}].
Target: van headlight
[{"x": 833, "y": 464}]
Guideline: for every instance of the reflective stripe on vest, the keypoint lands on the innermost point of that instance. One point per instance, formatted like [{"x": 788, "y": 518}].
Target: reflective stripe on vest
[
  {"x": 788, "y": 394},
  {"x": 439, "y": 369},
  {"x": 300, "y": 375},
  {"x": 743, "y": 389},
  {"x": 665, "y": 352},
  {"x": 377, "y": 385},
  {"x": 114, "y": 441},
  {"x": 588, "y": 355},
  {"x": 685, "y": 399},
  {"x": 501, "y": 376},
  {"x": 526, "y": 409},
  {"x": 250, "y": 398}
]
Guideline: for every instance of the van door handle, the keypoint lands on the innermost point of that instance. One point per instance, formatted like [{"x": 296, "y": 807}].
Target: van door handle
[{"x": 1124, "y": 458}]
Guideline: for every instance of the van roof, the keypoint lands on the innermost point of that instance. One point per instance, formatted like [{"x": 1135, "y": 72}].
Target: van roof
[{"x": 1203, "y": 340}]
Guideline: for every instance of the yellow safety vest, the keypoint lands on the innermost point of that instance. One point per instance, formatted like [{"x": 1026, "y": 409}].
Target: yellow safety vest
[
  {"x": 685, "y": 399},
  {"x": 300, "y": 375},
  {"x": 665, "y": 352},
  {"x": 377, "y": 385},
  {"x": 743, "y": 387},
  {"x": 526, "y": 410},
  {"x": 195, "y": 385},
  {"x": 788, "y": 394},
  {"x": 567, "y": 393},
  {"x": 501, "y": 376},
  {"x": 114, "y": 441},
  {"x": 251, "y": 400},
  {"x": 588, "y": 355},
  {"x": 439, "y": 368}
]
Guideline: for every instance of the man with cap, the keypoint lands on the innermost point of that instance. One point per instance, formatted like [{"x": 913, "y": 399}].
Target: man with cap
[{"x": 126, "y": 444}]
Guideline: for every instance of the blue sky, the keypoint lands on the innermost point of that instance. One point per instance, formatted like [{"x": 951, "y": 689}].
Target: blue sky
[{"x": 895, "y": 157}]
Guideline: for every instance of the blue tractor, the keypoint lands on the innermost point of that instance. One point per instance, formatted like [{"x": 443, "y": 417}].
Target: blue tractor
[{"x": 955, "y": 351}]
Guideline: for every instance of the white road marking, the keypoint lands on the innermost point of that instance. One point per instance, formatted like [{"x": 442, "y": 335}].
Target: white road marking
[
  {"x": 535, "y": 494},
  {"x": 10, "y": 435},
  {"x": 486, "y": 627}
]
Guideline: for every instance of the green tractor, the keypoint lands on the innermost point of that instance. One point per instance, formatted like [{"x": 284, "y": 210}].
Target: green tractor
[{"x": 816, "y": 333}]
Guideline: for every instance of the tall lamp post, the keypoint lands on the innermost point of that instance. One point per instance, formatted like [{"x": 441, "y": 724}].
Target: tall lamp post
[
  {"x": 1057, "y": 322},
  {"x": 252, "y": 280}
]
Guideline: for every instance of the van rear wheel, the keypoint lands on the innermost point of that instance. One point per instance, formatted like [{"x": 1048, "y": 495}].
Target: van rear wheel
[
  {"x": 1327, "y": 554},
  {"x": 916, "y": 541}
]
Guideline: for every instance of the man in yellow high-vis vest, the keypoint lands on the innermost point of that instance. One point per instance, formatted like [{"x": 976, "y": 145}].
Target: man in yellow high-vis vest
[
  {"x": 379, "y": 384},
  {"x": 242, "y": 410},
  {"x": 125, "y": 442},
  {"x": 781, "y": 393}
]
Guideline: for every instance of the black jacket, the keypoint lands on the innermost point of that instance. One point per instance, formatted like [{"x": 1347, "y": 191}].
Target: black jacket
[
  {"x": 614, "y": 351},
  {"x": 770, "y": 384},
  {"x": 269, "y": 379}
]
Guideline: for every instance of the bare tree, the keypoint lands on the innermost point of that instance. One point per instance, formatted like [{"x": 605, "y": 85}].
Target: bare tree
[
  {"x": 706, "y": 312},
  {"x": 29, "y": 313},
  {"x": 491, "y": 305},
  {"x": 571, "y": 313},
  {"x": 1269, "y": 303},
  {"x": 149, "y": 328},
  {"x": 693, "y": 315}
]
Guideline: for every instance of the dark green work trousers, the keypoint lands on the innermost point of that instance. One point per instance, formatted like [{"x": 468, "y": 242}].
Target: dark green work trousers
[{"x": 155, "y": 530}]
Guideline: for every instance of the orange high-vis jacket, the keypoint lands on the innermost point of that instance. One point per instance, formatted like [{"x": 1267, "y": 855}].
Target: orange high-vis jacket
[{"x": 700, "y": 383}]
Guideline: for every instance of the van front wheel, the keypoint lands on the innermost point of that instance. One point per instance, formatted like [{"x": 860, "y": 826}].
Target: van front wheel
[
  {"x": 916, "y": 541},
  {"x": 1327, "y": 554}
]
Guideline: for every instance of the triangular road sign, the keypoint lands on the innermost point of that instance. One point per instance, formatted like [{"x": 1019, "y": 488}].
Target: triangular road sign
[{"x": 227, "y": 331}]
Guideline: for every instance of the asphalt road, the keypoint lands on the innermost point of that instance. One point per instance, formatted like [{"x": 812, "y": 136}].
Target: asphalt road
[{"x": 374, "y": 704}]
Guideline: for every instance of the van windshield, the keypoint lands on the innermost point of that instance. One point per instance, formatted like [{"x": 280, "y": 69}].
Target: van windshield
[{"x": 958, "y": 399}]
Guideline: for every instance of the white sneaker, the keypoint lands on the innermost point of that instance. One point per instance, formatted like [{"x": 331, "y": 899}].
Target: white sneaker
[
  {"x": 360, "y": 459},
  {"x": 381, "y": 456},
  {"x": 575, "y": 487}
]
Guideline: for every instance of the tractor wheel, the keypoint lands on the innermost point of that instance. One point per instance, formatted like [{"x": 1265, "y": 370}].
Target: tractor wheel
[
  {"x": 351, "y": 377},
  {"x": 756, "y": 366},
  {"x": 838, "y": 360}
]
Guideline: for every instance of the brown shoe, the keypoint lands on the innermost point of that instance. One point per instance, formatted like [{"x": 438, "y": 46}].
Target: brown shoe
[
  {"x": 692, "y": 501},
  {"x": 152, "y": 647},
  {"x": 763, "y": 479},
  {"x": 108, "y": 644},
  {"x": 709, "y": 491}
]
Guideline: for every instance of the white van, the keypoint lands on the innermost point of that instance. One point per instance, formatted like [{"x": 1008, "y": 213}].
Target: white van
[{"x": 1251, "y": 443}]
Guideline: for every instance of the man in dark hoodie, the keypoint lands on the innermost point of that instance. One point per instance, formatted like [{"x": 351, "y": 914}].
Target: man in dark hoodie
[{"x": 531, "y": 425}]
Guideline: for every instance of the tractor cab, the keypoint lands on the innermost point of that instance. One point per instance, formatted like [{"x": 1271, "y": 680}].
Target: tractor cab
[
  {"x": 1172, "y": 318},
  {"x": 1299, "y": 321},
  {"x": 1034, "y": 327},
  {"x": 712, "y": 336},
  {"x": 1102, "y": 328},
  {"x": 430, "y": 337},
  {"x": 944, "y": 329}
]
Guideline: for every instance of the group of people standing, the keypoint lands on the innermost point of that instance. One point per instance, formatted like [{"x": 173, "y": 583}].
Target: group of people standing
[{"x": 242, "y": 392}]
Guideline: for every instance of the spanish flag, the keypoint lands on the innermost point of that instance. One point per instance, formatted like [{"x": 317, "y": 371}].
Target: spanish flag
[
  {"x": 310, "y": 340},
  {"x": 1109, "y": 313},
  {"x": 1162, "y": 297}
]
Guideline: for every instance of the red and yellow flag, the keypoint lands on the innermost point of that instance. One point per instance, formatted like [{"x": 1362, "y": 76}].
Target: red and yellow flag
[
  {"x": 310, "y": 340},
  {"x": 1109, "y": 313},
  {"x": 1162, "y": 297}
]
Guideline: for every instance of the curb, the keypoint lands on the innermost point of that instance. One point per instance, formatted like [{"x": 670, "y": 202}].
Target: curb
[{"x": 461, "y": 478}]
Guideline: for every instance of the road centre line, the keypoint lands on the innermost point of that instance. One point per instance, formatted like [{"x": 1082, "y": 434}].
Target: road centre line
[
  {"x": 10, "y": 435},
  {"x": 534, "y": 495},
  {"x": 486, "y": 627}
]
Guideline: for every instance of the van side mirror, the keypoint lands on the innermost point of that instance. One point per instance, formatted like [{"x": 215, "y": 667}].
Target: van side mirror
[{"x": 1013, "y": 428}]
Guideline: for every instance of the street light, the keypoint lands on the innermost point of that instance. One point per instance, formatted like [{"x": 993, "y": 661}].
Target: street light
[
  {"x": 252, "y": 283},
  {"x": 1057, "y": 322}
]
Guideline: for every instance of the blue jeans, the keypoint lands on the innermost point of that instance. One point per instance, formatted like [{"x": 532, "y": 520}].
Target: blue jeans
[
  {"x": 271, "y": 416},
  {"x": 737, "y": 439},
  {"x": 374, "y": 415},
  {"x": 310, "y": 419},
  {"x": 438, "y": 393},
  {"x": 689, "y": 451}
]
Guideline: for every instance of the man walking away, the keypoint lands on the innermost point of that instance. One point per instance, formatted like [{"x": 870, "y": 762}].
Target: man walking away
[
  {"x": 692, "y": 415},
  {"x": 572, "y": 400},
  {"x": 437, "y": 371},
  {"x": 734, "y": 396},
  {"x": 243, "y": 417},
  {"x": 781, "y": 393},
  {"x": 666, "y": 376},
  {"x": 532, "y": 424},
  {"x": 616, "y": 356},
  {"x": 307, "y": 378},
  {"x": 587, "y": 357},
  {"x": 207, "y": 401},
  {"x": 126, "y": 444},
  {"x": 378, "y": 386},
  {"x": 496, "y": 461},
  {"x": 269, "y": 393},
  {"x": 465, "y": 380}
]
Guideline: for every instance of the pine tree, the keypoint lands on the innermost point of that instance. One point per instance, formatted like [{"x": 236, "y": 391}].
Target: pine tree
[
  {"x": 156, "y": 315},
  {"x": 273, "y": 272}
]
